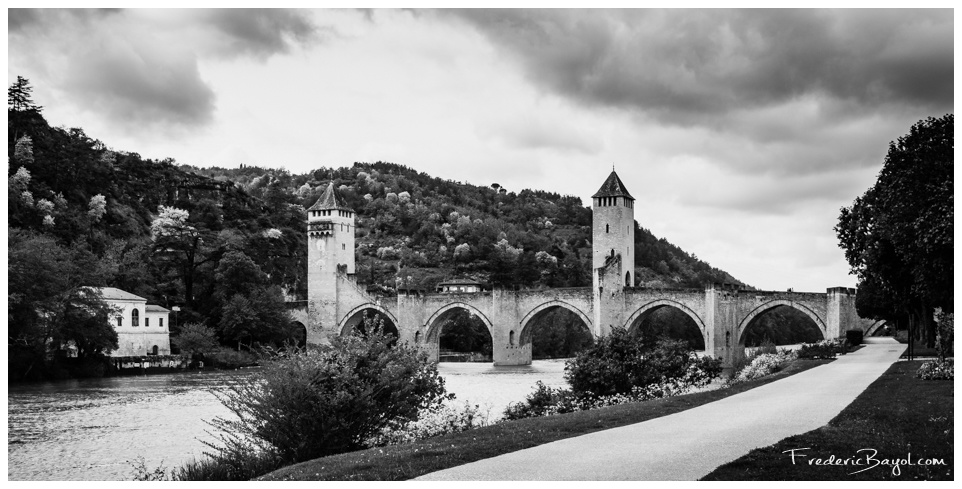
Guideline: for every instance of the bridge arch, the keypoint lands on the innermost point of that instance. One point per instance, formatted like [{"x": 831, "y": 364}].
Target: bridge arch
[
  {"x": 662, "y": 303},
  {"x": 875, "y": 327},
  {"x": 743, "y": 325},
  {"x": 637, "y": 317},
  {"x": 528, "y": 318},
  {"x": 353, "y": 317},
  {"x": 433, "y": 324}
]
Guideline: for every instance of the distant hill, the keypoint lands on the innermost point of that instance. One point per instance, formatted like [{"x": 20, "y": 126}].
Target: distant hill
[{"x": 410, "y": 225}]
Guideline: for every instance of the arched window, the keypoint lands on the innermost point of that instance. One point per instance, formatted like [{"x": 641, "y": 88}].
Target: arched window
[
  {"x": 155, "y": 350},
  {"x": 606, "y": 228},
  {"x": 135, "y": 318},
  {"x": 627, "y": 279},
  {"x": 511, "y": 338}
]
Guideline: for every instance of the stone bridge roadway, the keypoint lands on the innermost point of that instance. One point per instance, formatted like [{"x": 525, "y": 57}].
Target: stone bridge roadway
[{"x": 721, "y": 313}]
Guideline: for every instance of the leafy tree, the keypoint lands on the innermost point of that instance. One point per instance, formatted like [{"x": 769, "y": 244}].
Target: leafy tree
[
  {"x": 898, "y": 236},
  {"x": 85, "y": 321},
  {"x": 195, "y": 339},
  {"x": 260, "y": 317}
]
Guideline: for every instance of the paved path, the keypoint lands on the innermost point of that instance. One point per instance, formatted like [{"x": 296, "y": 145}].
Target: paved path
[{"x": 690, "y": 444}]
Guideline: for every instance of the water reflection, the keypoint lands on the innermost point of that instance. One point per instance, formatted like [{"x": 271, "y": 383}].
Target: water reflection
[{"x": 90, "y": 429}]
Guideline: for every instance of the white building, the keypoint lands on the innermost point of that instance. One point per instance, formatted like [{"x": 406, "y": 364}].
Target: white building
[{"x": 142, "y": 329}]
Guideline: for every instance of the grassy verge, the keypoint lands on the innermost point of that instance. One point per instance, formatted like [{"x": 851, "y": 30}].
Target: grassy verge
[
  {"x": 400, "y": 462},
  {"x": 896, "y": 415}
]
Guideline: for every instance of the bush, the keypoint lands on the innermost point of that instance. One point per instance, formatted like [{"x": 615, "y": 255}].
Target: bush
[
  {"x": 542, "y": 402},
  {"x": 231, "y": 359},
  {"x": 762, "y": 365},
  {"x": 310, "y": 403},
  {"x": 618, "y": 362},
  {"x": 854, "y": 337},
  {"x": 937, "y": 370},
  {"x": 436, "y": 421},
  {"x": 545, "y": 401},
  {"x": 822, "y": 349}
]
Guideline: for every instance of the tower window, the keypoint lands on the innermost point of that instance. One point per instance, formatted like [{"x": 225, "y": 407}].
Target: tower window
[
  {"x": 343, "y": 246},
  {"x": 606, "y": 228}
]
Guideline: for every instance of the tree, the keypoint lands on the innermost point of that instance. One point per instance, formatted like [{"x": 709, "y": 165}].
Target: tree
[
  {"x": 897, "y": 237},
  {"x": 19, "y": 96},
  {"x": 195, "y": 338},
  {"x": 259, "y": 317},
  {"x": 85, "y": 321},
  {"x": 185, "y": 247}
]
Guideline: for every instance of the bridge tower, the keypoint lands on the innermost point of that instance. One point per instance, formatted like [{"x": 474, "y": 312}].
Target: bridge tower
[
  {"x": 330, "y": 245},
  {"x": 613, "y": 247}
]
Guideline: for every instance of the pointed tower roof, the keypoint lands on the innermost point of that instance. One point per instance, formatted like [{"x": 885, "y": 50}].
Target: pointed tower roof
[
  {"x": 613, "y": 187},
  {"x": 329, "y": 200}
]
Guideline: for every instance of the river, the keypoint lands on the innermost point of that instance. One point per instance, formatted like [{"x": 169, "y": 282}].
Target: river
[{"x": 93, "y": 429}]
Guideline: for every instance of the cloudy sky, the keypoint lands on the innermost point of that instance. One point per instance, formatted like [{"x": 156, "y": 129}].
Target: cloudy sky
[{"x": 740, "y": 133}]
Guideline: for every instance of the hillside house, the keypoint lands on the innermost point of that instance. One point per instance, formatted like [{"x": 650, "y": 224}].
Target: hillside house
[{"x": 142, "y": 329}]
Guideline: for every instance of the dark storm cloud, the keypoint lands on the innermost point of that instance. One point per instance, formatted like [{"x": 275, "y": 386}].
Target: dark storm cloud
[
  {"x": 142, "y": 87},
  {"x": 261, "y": 32},
  {"x": 141, "y": 67},
  {"x": 692, "y": 66}
]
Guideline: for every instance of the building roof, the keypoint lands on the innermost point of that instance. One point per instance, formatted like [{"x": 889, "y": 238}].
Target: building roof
[
  {"x": 459, "y": 281},
  {"x": 329, "y": 200},
  {"x": 155, "y": 308},
  {"x": 613, "y": 187},
  {"x": 118, "y": 295}
]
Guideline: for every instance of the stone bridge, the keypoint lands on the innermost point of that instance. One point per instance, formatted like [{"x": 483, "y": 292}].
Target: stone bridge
[
  {"x": 722, "y": 314},
  {"x": 336, "y": 304}
]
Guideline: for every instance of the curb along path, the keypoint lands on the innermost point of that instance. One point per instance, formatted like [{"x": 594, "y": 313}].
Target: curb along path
[{"x": 690, "y": 444}]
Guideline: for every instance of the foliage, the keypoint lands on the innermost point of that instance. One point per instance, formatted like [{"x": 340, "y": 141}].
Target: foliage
[
  {"x": 546, "y": 401},
  {"x": 619, "y": 361},
  {"x": 310, "y": 403},
  {"x": 937, "y": 370},
  {"x": 854, "y": 337},
  {"x": 231, "y": 359},
  {"x": 142, "y": 473},
  {"x": 763, "y": 364},
  {"x": 823, "y": 349},
  {"x": 898, "y": 236},
  {"x": 195, "y": 339},
  {"x": 437, "y": 420},
  {"x": 48, "y": 304}
]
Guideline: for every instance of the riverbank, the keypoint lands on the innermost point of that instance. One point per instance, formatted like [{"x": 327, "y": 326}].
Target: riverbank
[
  {"x": 896, "y": 417},
  {"x": 401, "y": 462}
]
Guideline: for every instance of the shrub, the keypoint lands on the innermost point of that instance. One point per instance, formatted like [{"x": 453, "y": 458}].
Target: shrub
[
  {"x": 618, "y": 362},
  {"x": 542, "y": 402},
  {"x": 937, "y": 370},
  {"x": 762, "y": 365},
  {"x": 822, "y": 349},
  {"x": 546, "y": 401},
  {"x": 436, "y": 421},
  {"x": 854, "y": 337},
  {"x": 231, "y": 359},
  {"x": 310, "y": 403}
]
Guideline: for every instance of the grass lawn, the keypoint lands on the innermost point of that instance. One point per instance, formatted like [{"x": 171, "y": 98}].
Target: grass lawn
[
  {"x": 400, "y": 462},
  {"x": 896, "y": 415}
]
